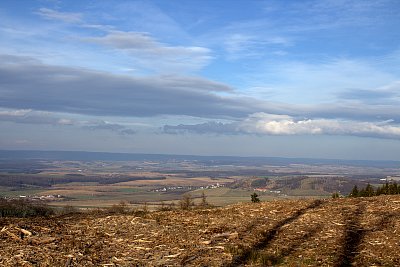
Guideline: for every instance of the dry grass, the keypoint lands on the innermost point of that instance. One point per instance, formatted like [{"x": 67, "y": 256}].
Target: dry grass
[{"x": 342, "y": 232}]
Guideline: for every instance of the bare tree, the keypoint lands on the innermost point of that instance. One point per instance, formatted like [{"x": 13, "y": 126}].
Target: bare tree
[
  {"x": 186, "y": 202},
  {"x": 204, "y": 202}
]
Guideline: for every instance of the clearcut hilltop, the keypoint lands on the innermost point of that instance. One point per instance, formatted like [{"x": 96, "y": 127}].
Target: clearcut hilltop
[{"x": 332, "y": 232}]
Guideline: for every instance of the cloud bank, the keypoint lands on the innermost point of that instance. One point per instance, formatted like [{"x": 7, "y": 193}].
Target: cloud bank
[
  {"x": 114, "y": 127},
  {"x": 27, "y": 84},
  {"x": 28, "y": 116},
  {"x": 268, "y": 124},
  {"x": 28, "y": 87}
]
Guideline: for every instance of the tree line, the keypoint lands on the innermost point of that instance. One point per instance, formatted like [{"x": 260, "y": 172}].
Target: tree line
[
  {"x": 18, "y": 181},
  {"x": 369, "y": 191}
]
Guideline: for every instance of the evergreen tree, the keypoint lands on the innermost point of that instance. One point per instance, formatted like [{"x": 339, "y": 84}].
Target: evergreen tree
[
  {"x": 369, "y": 191},
  {"x": 385, "y": 189},
  {"x": 354, "y": 192},
  {"x": 362, "y": 193},
  {"x": 378, "y": 191},
  {"x": 392, "y": 189}
]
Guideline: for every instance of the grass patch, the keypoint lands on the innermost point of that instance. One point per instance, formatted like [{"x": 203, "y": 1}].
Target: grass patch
[{"x": 128, "y": 190}]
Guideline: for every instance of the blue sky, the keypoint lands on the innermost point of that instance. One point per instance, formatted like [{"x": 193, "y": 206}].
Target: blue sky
[{"x": 250, "y": 78}]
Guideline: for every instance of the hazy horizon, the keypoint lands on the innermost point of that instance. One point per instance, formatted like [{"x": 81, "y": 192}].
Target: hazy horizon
[
  {"x": 222, "y": 159},
  {"x": 293, "y": 79}
]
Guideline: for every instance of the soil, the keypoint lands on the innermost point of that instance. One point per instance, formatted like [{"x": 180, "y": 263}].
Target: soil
[{"x": 332, "y": 232}]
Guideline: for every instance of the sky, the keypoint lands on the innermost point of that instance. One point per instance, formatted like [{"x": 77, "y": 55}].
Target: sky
[{"x": 278, "y": 78}]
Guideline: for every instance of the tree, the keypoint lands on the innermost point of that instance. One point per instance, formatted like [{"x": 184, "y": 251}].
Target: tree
[
  {"x": 378, "y": 191},
  {"x": 369, "y": 191},
  {"x": 335, "y": 195},
  {"x": 354, "y": 192},
  {"x": 186, "y": 202},
  {"x": 204, "y": 202},
  {"x": 385, "y": 189},
  {"x": 393, "y": 189},
  {"x": 254, "y": 198},
  {"x": 362, "y": 193}
]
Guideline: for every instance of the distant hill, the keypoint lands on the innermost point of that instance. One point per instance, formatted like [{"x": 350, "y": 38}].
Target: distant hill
[
  {"x": 212, "y": 160},
  {"x": 302, "y": 185}
]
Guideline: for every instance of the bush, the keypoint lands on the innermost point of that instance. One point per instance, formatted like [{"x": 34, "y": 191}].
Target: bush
[
  {"x": 68, "y": 209},
  {"x": 166, "y": 207},
  {"x": 335, "y": 195},
  {"x": 23, "y": 208},
  {"x": 145, "y": 208},
  {"x": 254, "y": 198},
  {"x": 120, "y": 208}
]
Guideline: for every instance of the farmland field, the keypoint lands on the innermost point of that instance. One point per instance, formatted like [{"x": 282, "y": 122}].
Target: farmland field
[{"x": 102, "y": 183}]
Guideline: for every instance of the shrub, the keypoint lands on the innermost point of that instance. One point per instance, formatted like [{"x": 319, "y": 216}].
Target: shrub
[
  {"x": 166, "y": 207},
  {"x": 120, "y": 208},
  {"x": 335, "y": 195},
  {"x": 23, "y": 208},
  {"x": 145, "y": 208},
  {"x": 254, "y": 198},
  {"x": 68, "y": 209}
]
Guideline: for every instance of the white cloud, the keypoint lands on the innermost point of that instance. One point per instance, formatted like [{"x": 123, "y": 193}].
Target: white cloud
[
  {"x": 109, "y": 126},
  {"x": 29, "y": 116},
  {"x": 241, "y": 44},
  {"x": 152, "y": 54},
  {"x": 262, "y": 123},
  {"x": 56, "y": 15},
  {"x": 14, "y": 113},
  {"x": 269, "y": 124},
  {"x": 64, "y": 121},
  {"x": 305, "y": 83},
  {"x": 238, "y": 42}
]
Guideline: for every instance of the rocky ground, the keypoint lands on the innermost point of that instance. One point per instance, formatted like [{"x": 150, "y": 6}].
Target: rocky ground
[{"x": 334, "y": 232}]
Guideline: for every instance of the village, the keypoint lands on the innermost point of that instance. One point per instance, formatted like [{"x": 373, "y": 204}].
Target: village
[
  {"x": 186, "y": 188},
  {"x": 46, "y": 198}
]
